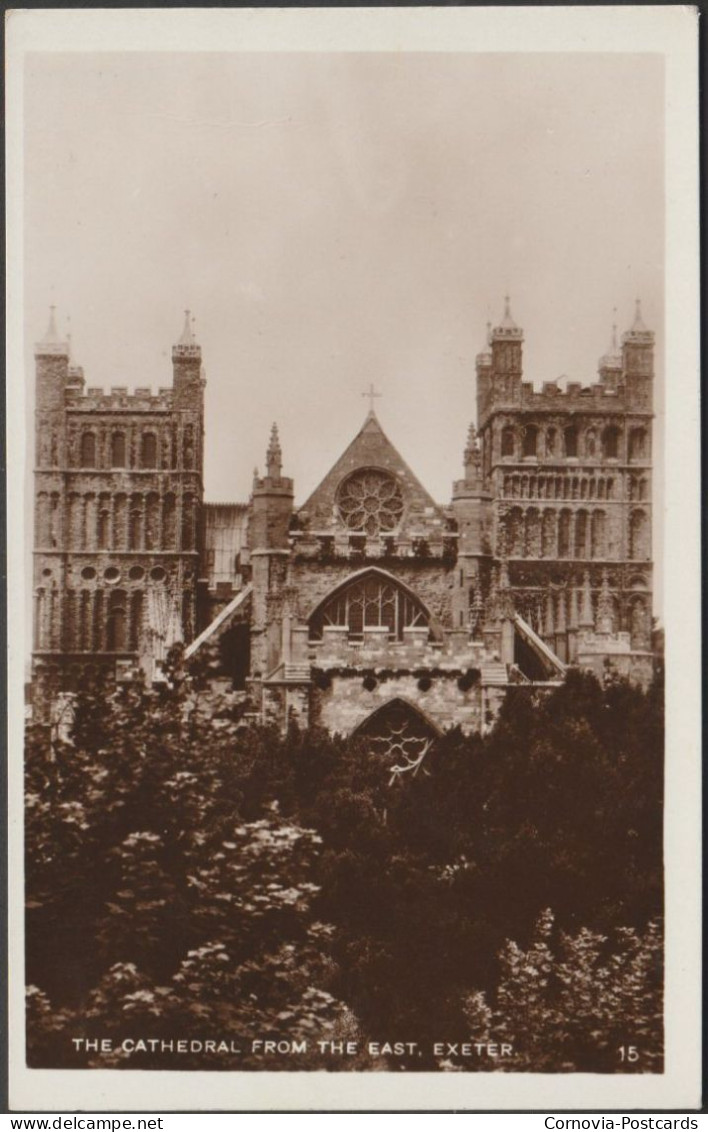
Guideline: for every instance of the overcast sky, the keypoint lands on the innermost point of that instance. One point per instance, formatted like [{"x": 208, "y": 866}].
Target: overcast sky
[{"x": 336, "y": 220}]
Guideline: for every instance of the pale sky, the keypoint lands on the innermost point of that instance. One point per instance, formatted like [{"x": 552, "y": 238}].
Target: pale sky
[{"x": 336, "y": 220}]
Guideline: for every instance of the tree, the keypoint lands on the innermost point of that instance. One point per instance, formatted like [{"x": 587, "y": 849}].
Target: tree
[{"x": 582, "y": 1004}]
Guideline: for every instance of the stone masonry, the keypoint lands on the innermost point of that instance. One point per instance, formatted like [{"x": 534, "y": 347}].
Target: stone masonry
[{"x": 369, "y": 609}]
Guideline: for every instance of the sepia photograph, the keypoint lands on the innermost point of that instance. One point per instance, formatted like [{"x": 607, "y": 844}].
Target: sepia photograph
[{"x": 348, "y": 554}]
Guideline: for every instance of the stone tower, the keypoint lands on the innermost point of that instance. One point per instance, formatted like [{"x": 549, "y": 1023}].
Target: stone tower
[
  {"x": 569, "y": 475},
  {"x": 118, "y": 496}
]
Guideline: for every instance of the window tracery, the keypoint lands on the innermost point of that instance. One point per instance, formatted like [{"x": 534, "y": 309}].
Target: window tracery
[
  {"x": 397, "y": 731},
  {"x": 368, "y": 602},
  {"x": 370, "y": 501}
]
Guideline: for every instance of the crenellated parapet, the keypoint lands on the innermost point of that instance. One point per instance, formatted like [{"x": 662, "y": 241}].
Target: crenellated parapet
[
  {"x": 120, "y": 399},
  {"x": 118, "y": 525},
  {"x": 624, "y": 385}
]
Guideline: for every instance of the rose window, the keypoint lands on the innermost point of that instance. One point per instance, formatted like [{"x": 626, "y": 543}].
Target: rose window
[{"x": 370, "y": 502}]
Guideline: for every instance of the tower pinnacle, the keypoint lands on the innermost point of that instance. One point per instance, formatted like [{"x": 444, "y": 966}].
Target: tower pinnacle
[
  {"x": 638, "y": 324},
  {"x": 507, "y": 328},
  {"x": 187, "y": 346},
  {"x": 186, "y": 337},
  {"x": 612, "y": 360},
  {"x": 52, "y": 335},
  {"x": 52, "y": 342},
  {"x": 274, "y": 455}
]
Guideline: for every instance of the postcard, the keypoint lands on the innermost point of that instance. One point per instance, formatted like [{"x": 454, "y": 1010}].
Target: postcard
[{"x": 354, "y": 559}]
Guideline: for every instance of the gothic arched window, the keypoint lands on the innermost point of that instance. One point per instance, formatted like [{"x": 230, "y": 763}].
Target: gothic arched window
[
  {"x": 564, "y": 534},
  {"x": 370, "y": 600},
  {"x": 188, "y": 521},
  {"x": 610, "y": 442},
  {"x": 188, "y": 447},
  {"x": 148, "y": 450},
  {"x": 581, "y": 534},
  {"x": 118, "y": 450},
  {"x": 507, "y": 441},
  {"x": 370, "y": 501},
  {"x": 88, "y": 450},
  {"x": 117, "y": 621},
  {"x": 530, "y": 440},
  {"x": 397, "y": 731},
  {"x": 598, "y": 536},
  {"x": 637, "y": 444},
  {"x": 638, "y": 535}
]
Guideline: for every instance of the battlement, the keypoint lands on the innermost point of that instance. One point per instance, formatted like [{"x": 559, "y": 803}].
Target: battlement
[
  {"x": 574, "y": 397},
  {"x": 141, "y": 400}
]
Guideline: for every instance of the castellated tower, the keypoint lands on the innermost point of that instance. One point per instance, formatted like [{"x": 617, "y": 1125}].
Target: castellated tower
[
  {"x": 117, "y": 531},
  {"x": 569, "y": 478}
]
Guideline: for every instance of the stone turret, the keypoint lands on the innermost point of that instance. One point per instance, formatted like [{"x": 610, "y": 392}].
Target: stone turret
[
  {"x": 187, "y": 368},
  {"x": 507, "y": 342},
  {"x": 610, "y": 364},
  {"x": 52, "y": 367},
  {"x": 469, "y": 504},
  {"x": 272, "y": 502},
  {"x": 638, "y": 362}
]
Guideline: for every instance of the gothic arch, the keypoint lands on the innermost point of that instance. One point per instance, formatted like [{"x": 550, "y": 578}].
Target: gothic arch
[
  {"x": 548, "y": 534},
  {"x": 118, "y": 450},
  {"x": 148, "y": 450},
  {"x": 637, "y": 444},
  {"x": 611, "y": 442},
  {"x": 530, "y": 440},
  {"x": 398, "y": 729},
  {"x": 508, "y": 441},
  {"x": 371, "y": 597},
  {"x": 532, "y": 533},
  {"x": 88, "y": 450},
  {"x": 581, "y": 534},
  {"x": 638, "y": 535},
  {"x": 598, "y": 536},
  {"x": 513, "y": 530}
]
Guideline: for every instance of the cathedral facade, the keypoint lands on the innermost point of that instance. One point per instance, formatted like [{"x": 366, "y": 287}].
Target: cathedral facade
[{"x": 369, "y": 608}]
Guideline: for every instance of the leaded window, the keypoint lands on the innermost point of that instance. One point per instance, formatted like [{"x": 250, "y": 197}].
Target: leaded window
[
  {"x": 370, "y": 501},
  {"x": 397, "y": 731},
  {"x": 372, "y": 601}
]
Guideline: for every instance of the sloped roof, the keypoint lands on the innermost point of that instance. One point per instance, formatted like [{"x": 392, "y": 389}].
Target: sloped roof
[{"x": 371, "y": 448}]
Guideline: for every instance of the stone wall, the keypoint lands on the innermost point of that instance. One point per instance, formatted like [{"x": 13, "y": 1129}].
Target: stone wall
[
  {"x": 347, "y": 703},
  {"x": 431, "y": 581}
]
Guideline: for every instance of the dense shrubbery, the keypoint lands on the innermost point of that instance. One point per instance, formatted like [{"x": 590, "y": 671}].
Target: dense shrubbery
[{"x": 188, "y": 877}]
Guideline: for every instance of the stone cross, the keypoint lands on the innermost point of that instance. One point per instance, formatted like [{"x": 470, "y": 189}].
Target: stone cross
[{"x": 371, "y": 393}]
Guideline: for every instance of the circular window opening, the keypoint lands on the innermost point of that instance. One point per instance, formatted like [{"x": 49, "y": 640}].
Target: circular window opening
[
  {"x": 136, "y": 573},
  {"x": 46, "y": 573},
  {"x": 88, "y": 573},
  {"x": 370, "y": 501},
  {"x": 158, "y": 574},
  {"x": 112, "y": 574}
]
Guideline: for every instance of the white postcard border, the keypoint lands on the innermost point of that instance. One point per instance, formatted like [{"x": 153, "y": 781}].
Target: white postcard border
[{"x": 668, "y": 30}]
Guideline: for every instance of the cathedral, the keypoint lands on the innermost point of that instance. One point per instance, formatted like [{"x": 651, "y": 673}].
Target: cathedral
[{"x": 368, "y": 608}]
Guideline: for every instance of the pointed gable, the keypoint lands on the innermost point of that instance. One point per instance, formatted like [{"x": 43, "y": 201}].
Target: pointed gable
[{"x": 372, "y": 450}]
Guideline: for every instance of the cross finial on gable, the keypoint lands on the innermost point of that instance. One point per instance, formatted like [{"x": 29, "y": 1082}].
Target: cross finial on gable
[{"x": 371, "y": 393}]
